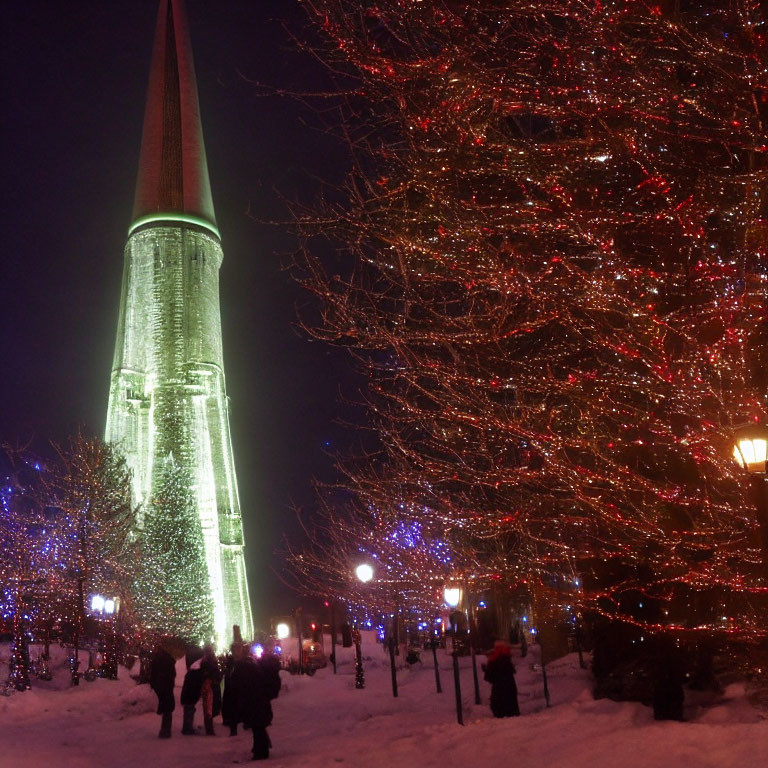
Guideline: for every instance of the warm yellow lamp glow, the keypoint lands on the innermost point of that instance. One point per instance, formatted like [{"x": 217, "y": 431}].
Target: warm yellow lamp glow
[
  {"x": 751, "y": 448},
  {"x": 751, "y": 452}
]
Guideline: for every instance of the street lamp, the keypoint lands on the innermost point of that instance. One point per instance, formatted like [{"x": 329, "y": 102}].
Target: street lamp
[
  {"x": 751, "y": 452},
  {"x": 452, "y": 597},
  {"x": 364, "y": 573},
  {"x": 283, "y": 631},
  {"x": 751, "y": 448},
  {"x": 107, "y": 608},
  {"x": 97, "y": 603},
  {"x": 102, "y": 606}
]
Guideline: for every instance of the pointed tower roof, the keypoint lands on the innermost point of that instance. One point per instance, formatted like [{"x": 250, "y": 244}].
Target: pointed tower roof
[{"x": 173, "y": 181}]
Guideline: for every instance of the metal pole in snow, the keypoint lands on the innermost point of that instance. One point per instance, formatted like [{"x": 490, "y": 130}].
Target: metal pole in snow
[{"x": 437, "y": 668}]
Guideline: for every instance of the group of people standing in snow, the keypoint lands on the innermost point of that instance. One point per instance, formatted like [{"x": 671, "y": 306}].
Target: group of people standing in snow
[{"x": 250, "y": 684}]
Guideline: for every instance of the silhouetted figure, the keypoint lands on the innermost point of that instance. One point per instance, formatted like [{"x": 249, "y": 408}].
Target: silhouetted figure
[
  {"x": 255, "y": 684},
  {"x": 162, "y": 676},
  {"x": 192, "y": 689},
  {"x": 210, "y": 693},
  {"x": 500, "y": 673},
  {"x": 229, "y": 714}
]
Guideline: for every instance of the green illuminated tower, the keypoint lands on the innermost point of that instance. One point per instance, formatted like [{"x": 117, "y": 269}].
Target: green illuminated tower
[{"x": 167, "y": 396}]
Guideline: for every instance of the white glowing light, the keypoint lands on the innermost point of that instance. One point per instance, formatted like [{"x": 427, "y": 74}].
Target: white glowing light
[
  {"x": 283, "y": 631},
  {"x": 452, "y": 596},
  {"x": 109, "y": 606},
  {"x": 97, "y": 603},
  {"x": 364, "y": 572}
]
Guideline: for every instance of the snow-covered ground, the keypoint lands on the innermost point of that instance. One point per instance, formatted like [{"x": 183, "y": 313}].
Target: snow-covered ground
[{"x": 323, "y": 721}]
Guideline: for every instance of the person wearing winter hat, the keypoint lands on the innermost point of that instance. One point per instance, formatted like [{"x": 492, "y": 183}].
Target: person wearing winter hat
[{"x": 500, "y": 673}]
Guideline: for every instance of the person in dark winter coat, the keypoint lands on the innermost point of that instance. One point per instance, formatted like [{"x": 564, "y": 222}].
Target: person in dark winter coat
[
  {"x": 162, "y": 676},
  {"x": 500, "y": 673},
  {"x": 229, "y": 714},
  {"x": 191, "y": 690},
  {"x": 255, "y": 684},
  {"x": 211, "y": 688}
]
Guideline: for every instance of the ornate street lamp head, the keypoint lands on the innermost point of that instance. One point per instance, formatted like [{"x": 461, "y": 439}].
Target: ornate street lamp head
[
  {"x": 751, "y": 447},
  {"x": 97, "y": 603},
  {"x": 452, "y": 596}
]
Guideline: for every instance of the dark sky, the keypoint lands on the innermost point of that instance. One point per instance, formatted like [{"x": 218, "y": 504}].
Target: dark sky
[{"x": 74, "y": 79}]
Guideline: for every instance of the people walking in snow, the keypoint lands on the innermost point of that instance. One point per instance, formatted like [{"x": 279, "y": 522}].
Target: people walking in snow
[
  {"x": 192, "y": 689},
  {"x": 255, "y": 684},
  {"x": 211, "y": 688},
  {"x": 162, "y": 676},
  {"x": 500, "y": 673}
]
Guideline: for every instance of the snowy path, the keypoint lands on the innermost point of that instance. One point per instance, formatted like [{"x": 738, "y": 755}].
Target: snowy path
[{"x": 322, "y": 721}]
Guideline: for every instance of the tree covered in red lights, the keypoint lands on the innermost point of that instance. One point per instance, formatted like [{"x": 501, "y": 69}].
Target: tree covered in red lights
[{"x": 556, "y": 236}]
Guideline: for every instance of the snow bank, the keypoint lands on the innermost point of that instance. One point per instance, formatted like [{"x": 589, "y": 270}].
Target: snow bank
[{"x": 324, "y": 721}]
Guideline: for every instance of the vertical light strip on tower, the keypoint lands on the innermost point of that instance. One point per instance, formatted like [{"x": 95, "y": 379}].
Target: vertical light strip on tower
[{"x": 167, "y": 394}]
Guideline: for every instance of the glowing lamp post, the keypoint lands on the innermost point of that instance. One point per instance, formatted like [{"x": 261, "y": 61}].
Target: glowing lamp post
[
  {"x": 107, "y": 608},
  {"x": 751, "y": 448},
  {"x": 452, "y": 597},
  {"x": 364, "y": 573},
  {"x": 751, "y": 451},
  {"x": 283, "y": 631}
]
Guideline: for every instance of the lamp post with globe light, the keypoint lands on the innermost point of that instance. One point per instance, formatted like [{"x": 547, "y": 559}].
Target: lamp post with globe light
[
  {"x": 364, "y": 573},
  {"x": 282, "y": 633},
  {"x": 106, "y": 609},
  {"x": 452, "y": 597},
  {"x": 751, "y": 452}
]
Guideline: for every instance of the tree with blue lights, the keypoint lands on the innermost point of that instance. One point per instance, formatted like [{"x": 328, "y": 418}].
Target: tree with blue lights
[{"x": 25, "y": 554}]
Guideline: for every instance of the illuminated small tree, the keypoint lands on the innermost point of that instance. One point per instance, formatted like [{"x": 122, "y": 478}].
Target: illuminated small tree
[
  {"x": 25, "y": 562},
  {"x": 173, "y": 589},
  {"x": 89, "y": 488}
]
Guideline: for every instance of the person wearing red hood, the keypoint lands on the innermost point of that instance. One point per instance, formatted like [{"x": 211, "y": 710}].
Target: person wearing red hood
[{"x": 500, "y": 673}]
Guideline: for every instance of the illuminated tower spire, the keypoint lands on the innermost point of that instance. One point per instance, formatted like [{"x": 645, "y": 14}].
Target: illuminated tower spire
[
  {"x": 167, "y": 394},
  {"x": 173, "y": 172}
]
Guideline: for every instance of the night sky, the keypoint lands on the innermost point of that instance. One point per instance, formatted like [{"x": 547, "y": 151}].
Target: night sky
[{"x": 74, "y": 79}]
